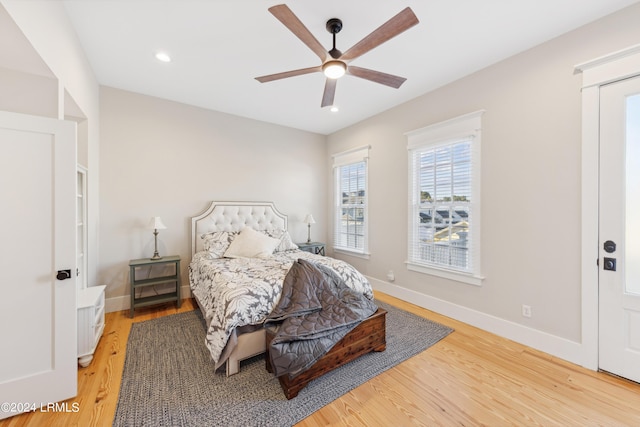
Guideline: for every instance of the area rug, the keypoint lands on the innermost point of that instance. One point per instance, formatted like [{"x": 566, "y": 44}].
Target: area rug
[{"x": 169, "y": 380}]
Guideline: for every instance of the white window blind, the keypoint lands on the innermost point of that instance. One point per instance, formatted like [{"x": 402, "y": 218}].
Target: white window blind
[
  {"x": 444, "y": 226},
  {"x": 350, "y": 211}
]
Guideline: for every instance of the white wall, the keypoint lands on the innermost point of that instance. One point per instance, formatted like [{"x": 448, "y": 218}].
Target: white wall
[
  {"x": 162, "y": 158},
  {"x": 28, "y": 93},
  {"x": 531, "y": 146},
  {"x": 48, "y": 30}
]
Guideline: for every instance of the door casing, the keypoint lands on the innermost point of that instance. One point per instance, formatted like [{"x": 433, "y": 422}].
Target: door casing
[{"x": 616, "y": 66}]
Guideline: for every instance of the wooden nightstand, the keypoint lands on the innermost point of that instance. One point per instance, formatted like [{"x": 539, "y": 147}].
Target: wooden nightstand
[
  {"x": 313, "y": 247},
  {"x": 139, "y": 283}
]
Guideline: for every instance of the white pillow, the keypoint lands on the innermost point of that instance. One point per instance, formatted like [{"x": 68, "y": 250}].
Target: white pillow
[{"x": 251, "y": 244}]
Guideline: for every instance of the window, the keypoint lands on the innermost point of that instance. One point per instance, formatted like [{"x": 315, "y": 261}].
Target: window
[
  {"x": 444, "y": 189},
  {"x": 350, "y": 219}
]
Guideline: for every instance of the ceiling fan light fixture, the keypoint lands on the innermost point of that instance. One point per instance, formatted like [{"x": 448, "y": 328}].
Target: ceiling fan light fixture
[{"x": 334, "y": 69}]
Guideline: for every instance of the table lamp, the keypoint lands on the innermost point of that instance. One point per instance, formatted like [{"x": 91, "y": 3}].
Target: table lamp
[
  {"x": 156, "y": 224},
  {"x": 309, "y": 220}
]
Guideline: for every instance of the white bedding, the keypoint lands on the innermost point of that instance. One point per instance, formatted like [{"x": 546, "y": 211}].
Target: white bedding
[{"x": 243, "y": 291}]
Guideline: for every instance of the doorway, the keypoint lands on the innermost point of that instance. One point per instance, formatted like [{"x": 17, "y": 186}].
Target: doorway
[
  {"x": 597, "y": 75},
  {"x": 619, "y": 229}
]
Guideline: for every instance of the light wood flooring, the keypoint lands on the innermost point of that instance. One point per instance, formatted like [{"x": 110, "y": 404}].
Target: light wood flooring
[{"x": 470, "y": 378}]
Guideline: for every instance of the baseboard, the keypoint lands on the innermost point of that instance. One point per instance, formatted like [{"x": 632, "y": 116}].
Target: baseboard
[
  {"x": 551, "y": 344},
  {"x": 124, "y": 302},
  {"x": 543, "y": 341}
]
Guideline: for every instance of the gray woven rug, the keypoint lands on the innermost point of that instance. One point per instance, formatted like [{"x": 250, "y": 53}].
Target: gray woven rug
[{"x": 168, "y": 377}]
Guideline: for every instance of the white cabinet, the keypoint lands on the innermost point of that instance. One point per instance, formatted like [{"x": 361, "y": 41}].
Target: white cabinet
[{"x": 90, "y": 322}]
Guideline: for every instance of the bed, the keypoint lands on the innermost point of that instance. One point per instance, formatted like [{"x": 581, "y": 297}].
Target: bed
[
  {"x": 366, "y": 337},
  {"x": 236, "y": 294}
]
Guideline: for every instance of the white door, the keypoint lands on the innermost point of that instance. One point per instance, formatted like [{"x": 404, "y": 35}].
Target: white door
[
  {"x": 38, "y": 362},
  {"x": 619, "y": 229}
]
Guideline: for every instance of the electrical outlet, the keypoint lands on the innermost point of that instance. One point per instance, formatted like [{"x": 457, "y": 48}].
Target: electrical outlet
[{"x": 526, "y": 310}]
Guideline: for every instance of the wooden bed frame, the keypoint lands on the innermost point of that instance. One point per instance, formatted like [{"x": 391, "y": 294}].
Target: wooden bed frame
[{"x": 370, "y": 335}]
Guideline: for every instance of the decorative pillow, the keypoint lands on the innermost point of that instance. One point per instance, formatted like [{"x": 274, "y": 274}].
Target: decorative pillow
[
  {"x": 286, "y": 244},
  {"x": 251, "y": 244},
  {"x": 217, "y": 242}
]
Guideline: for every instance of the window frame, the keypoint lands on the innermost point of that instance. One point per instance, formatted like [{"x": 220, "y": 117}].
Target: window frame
[
  {"x": 340, "y": 160},
  {"x": 467, "y": 127}
]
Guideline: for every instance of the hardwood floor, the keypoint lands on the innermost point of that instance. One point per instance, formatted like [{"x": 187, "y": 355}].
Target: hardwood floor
[{"x": 469, "y": 378}]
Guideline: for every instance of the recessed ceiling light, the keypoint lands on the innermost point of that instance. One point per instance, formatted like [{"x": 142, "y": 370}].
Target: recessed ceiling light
[
  {"x": 335, "y": 109},
  {"x": 163, "y": 56}
]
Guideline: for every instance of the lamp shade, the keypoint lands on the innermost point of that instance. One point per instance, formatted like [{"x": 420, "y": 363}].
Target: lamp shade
[
  {"x": 309, "y": 219},
  {"x": 334, "y": 69},
  {"x": 156, "y": 223}
]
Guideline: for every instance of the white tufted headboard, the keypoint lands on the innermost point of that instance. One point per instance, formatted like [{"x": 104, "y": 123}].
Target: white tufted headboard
[{"x": 234, "y": 216}]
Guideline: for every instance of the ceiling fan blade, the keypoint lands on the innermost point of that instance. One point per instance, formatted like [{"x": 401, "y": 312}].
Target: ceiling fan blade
[
  {"x": 376, "y": 76},
  {"x": 291, "y": 21},
  {"x": 394, "y": 26},
  {"x": 329, "y": 92},
  {"x": 292, "y": 73}
]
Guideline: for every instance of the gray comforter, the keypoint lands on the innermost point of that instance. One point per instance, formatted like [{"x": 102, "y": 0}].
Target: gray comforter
[{"x": 315, "y": 311}]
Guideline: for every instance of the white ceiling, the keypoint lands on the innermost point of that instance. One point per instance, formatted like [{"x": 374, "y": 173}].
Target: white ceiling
[{"x": 219, "y": 46}]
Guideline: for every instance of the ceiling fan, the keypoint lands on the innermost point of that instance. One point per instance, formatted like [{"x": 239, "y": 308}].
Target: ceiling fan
[{"x": 335, "y": 63}]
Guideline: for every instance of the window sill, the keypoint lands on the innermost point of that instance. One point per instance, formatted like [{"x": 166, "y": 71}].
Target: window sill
[
  {"x": 467, "y": 278},
  {"x": 363, "y": 255}
]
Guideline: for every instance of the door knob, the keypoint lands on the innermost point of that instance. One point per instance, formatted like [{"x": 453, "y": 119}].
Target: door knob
[{"x": 63, "y": 274}]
